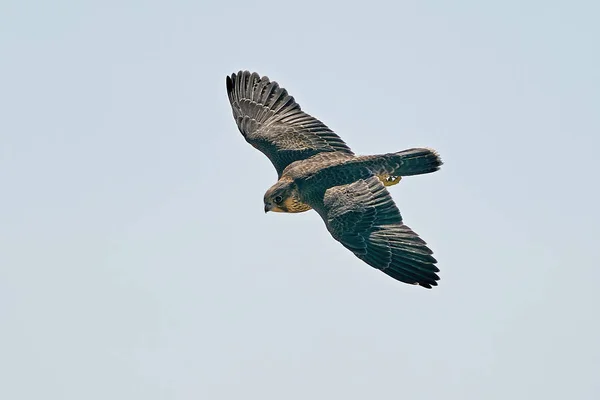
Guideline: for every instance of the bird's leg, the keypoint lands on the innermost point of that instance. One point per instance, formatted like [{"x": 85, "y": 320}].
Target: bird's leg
[{"x": 389, "y": 180}]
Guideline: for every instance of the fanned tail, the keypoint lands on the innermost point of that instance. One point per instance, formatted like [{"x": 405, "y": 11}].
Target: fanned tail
[{"x": 392, "y": 166}]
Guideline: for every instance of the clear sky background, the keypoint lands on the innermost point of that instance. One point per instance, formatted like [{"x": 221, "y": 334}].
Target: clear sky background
[{"x": 136, "y": 261}]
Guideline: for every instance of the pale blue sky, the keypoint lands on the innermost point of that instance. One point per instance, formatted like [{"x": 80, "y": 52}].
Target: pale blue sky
[{"x": 135, "y": 257}]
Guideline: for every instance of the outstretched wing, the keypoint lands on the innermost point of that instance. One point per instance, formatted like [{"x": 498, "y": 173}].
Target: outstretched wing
[
  {"x": 273, "y": 122},
  {"x": 363, "y": 217}
]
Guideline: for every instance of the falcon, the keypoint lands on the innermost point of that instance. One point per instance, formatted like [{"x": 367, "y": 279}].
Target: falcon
[{"x": 318, "y": 171}]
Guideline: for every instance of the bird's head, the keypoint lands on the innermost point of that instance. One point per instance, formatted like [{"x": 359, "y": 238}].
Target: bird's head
[{"x": 284, "y": 197}]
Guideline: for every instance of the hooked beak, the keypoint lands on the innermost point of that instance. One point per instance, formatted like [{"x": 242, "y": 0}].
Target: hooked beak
[{"x": 268, "y": 207}]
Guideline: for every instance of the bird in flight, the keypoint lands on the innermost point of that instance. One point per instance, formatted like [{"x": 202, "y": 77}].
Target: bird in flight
[{"x": 318, "y": 171}]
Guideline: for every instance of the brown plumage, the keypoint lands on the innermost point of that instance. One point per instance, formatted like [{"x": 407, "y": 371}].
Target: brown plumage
[{"x": 317, "y": 170}]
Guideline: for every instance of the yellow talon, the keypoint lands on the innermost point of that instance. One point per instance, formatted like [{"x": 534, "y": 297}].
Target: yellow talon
[{"x": 389, "y": 180}]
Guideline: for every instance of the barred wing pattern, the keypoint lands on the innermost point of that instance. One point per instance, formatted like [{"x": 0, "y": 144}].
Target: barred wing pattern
[
  {"x": 364, "y": 218},
  {"x": 271, "y": 121}
]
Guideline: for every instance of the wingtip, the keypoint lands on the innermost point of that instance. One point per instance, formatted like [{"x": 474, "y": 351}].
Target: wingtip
[
  {"x": 229, "y": 82},
  {"x": 428, "y": 284},
  {"x": 243, "y": 75}
]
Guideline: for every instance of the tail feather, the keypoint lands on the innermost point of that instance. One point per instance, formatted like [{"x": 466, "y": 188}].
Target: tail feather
[{"x": 417, "y": 161}]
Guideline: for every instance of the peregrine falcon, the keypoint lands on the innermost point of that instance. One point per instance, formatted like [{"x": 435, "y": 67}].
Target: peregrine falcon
[{"x": 318, "y": 171}]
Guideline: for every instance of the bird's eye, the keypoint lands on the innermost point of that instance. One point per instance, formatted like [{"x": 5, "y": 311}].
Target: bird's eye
[{"x": 277, "y": 199}]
